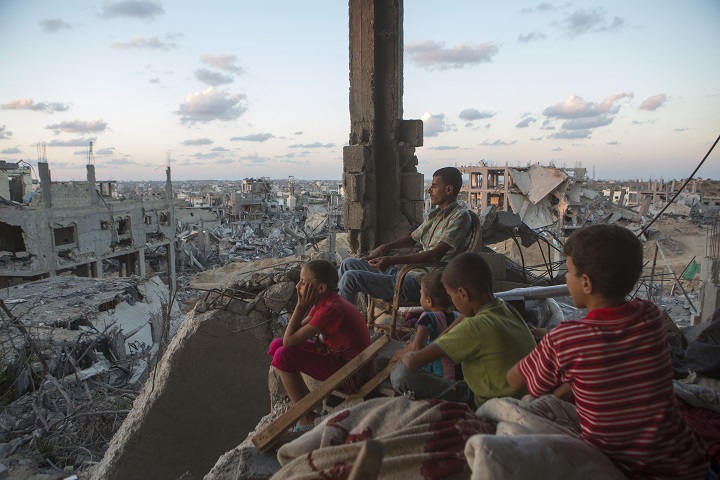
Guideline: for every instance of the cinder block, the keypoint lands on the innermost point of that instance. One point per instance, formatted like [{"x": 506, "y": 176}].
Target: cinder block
[
  {"x": 411, "y": 132},
  {"x": 412, "y": 186},
  {"x": 413, "y": 211},
  {"x": 355, "y": 215},
  {"x": 357, "y": 159},
  {"x": 354, "y": 187},
  {"x": 497, "y": 264},
  {"x": 407, "y": 159}
]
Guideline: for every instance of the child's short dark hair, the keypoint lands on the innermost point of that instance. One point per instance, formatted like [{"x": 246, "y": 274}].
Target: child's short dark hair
[
  {"x": 433, "y": 288},
  {"x": 611, "y": 255},
  {"x": 323, "y": 272},
  {"x": 451, "y": 176},
  {"x": 469, "y": 271}
]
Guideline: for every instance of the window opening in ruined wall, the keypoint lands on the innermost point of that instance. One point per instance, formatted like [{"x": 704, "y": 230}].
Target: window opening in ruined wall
[
  {"x": 164, "y": 219},
  {"x": 64, "y": 236},
  {"x": 11, "y": 238},
  {"x": 123, "y": 226}
]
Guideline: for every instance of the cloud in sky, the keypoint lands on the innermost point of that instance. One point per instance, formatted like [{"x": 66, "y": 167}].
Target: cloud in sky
[
  {"x": 299, "y": 132},
  {"x": 582, "y": 21},
  {"x": 5, "y": 133},
  {"x": 443, "y": 147},
  {"x": 588, "y": 122},
  {"x": 223, "y": 62},
  {"x": 470, "y": 114},
  {"x": 28, "y": 104},
  {"x": 154, "y": 80},
  {"x": 255, "y": 137},
  {"x": 654, "y": 102},
  {"x": 11, "y": 151},
  {"x": 77, "y": 142},
  {"x": 207, "y": 155},
  {"x": 576, "y": 107},
  {"x": 105, "y": 151},
  {"x": 497, "y": 143},
  {"x": 140, "y": 42},
  {"x": 433, "y": 125},
  {"x": 530, "y": 37},
  {"x": 52, "y": 25},
  {"x": 132, "y": 9},
  {"x": 540, "y": 8},
  {"x": 434, "y": 56},
  {"x": 120, "y": 161},
  {"x": 78, "y": 126},
  {"x": 224, "y": 161},
  {"x": 681, "y": 129},
  {"x": 220, "y": 149},
  {"x": 525, "y": 123},
  {"x": 312, "y": 145},
  {"x": 571, "y": 134},
  {"x": 211, "y": 105},
  {"x": 197, "y": 141},
  {"x": 211, "y": 78}
]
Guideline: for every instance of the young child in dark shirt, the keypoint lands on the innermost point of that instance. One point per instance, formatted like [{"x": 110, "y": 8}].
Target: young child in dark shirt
[{"x": 436, "y": 318}]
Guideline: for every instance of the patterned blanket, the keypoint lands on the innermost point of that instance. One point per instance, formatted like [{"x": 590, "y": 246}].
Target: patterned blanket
[{"x": 422, "y": 439}]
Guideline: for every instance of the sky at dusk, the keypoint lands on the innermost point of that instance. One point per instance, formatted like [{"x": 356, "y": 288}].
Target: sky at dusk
[{"x": 627, "y": 89}]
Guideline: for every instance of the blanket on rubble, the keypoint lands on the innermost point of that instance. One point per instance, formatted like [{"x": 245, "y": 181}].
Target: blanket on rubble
[
  {"x": 422, "y": 439},
  {"x": 535, "y": 439}
]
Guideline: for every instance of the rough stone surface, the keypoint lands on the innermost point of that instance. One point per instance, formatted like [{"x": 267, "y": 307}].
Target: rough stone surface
[
  {"x": 411, "y": 132},
  {"x": 202, "y": 400}
]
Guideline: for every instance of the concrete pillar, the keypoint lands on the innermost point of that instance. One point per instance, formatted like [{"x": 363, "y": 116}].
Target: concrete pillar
[
  {"x": 97, "y": 268},
  {"x": 379, "y": 163},
  {"x": 141, "y": 263},
  {"x": 709, "y": 293},
  {"x": 4, "y": 185},
  {"x": 621, "y": 200},
  {"x": 171, "y": 266},
  {"x": 645, "y": 206},
  {"x": 44, "y": 174},
  {"x": 92, "y": 184}
]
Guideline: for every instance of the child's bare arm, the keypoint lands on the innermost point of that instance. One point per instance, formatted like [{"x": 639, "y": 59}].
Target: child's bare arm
[
  {"x": 415, "y": 360},
  {"x": 514, "y": 377},
  {"x": 417, "y": 343}
]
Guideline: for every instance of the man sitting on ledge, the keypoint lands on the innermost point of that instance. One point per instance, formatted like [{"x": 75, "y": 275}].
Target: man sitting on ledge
[{"x": 444, "y": 234}]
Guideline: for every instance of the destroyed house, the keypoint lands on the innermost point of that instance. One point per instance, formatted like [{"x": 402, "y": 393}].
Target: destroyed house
[{"x": 74, "y": 226}]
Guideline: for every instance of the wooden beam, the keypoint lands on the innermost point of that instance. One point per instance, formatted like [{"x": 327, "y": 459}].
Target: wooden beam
[
  {"x": 267, "y": 437},
  {"x": 371, "y": 385},
  {"x": 368, "y": 461}
]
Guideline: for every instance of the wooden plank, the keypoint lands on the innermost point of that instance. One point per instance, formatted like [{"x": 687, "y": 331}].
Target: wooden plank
[
  {"x": 368, "y": 461},
  {"x": 371, "y": 385},
  {"x": 266, "y": 437}
]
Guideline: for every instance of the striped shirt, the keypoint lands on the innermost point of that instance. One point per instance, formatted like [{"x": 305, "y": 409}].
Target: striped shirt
[{"x": 618, "y": 365}]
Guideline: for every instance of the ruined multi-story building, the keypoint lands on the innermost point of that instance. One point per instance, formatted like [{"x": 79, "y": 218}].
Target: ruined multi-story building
[{"x": 74, "y": 226}]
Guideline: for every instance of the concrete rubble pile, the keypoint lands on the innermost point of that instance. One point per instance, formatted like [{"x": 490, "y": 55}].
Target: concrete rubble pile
[
  {"x": 75, "y": 352},
  {"x": 279, "y": 236}
]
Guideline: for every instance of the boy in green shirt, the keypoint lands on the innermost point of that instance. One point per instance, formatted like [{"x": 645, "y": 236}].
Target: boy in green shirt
[{"x": 487, "y": 341}]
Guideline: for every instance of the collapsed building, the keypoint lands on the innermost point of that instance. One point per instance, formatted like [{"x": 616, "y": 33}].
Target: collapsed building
[{"x": 75, "y": 227}]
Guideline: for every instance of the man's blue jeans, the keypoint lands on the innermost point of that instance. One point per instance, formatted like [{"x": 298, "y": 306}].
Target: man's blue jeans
[
  {"x": 357, "y": 276},
  {"x": 422, "y": 385}
]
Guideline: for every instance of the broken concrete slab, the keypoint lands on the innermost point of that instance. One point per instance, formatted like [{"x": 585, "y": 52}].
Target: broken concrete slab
[{"x": 536, "y": 182}]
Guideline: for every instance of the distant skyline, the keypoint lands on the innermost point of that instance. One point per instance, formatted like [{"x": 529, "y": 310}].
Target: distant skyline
[{"x": 248, "y": 89}]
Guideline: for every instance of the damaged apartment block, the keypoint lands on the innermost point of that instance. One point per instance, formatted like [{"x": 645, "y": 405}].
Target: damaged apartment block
[{"x": 72, "y": 227}]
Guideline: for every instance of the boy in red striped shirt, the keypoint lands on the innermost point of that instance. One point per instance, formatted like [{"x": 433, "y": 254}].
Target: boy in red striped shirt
[{"x": 617, "y": 362}]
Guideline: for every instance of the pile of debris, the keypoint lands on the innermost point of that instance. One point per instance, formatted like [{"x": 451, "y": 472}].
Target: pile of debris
[{"x": 75, "y": 352}]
